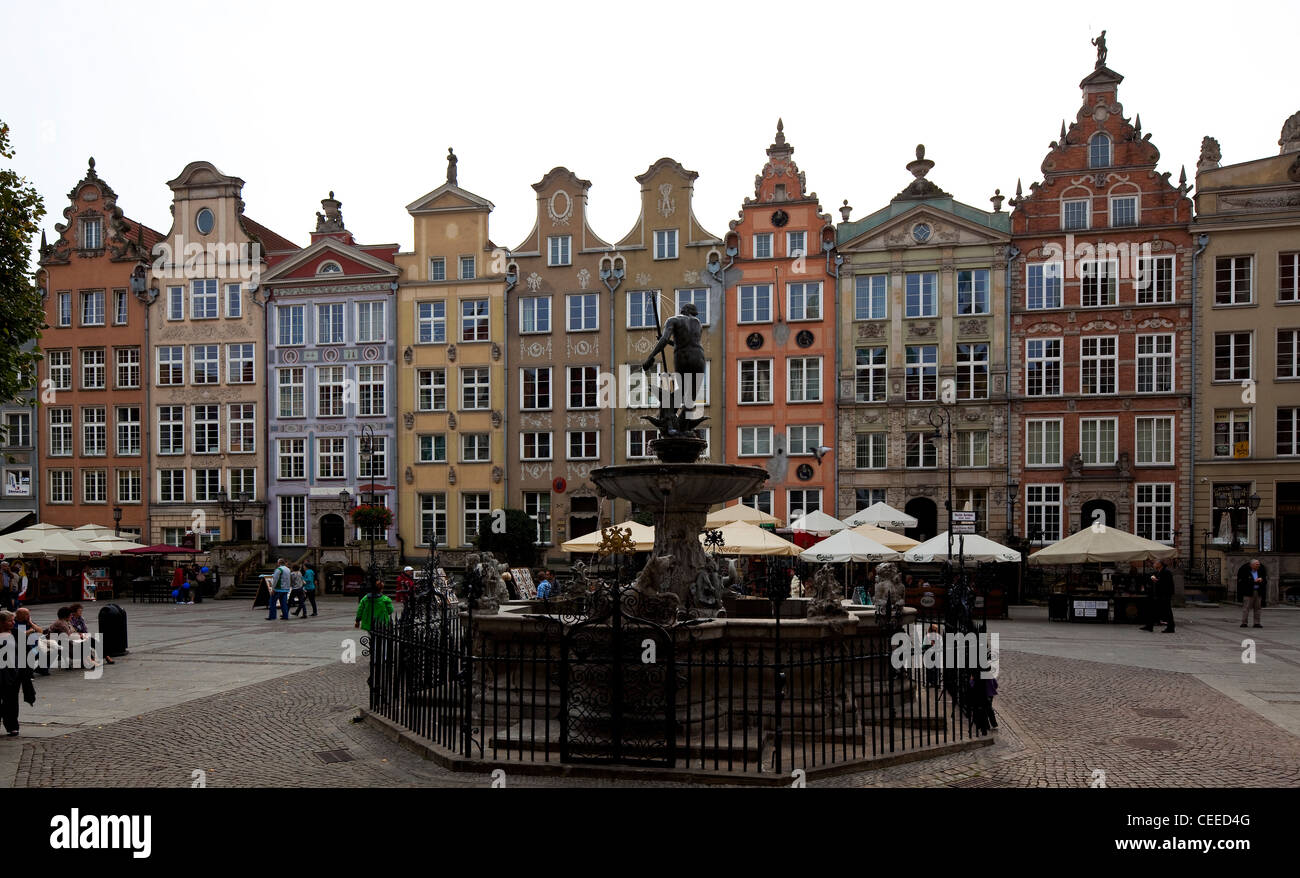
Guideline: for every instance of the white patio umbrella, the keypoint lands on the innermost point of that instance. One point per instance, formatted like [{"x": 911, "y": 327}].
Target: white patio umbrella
[
  {"x": 112, "y": 545},
  {"x": 818, "y": 522},
  {"x": 11, "y": 548},
  {"x": 1101, "y": 544},
  {"x": 976, "y": 548},
  {"x": 642, "y": 535},
  {"x": 60, "y": 543},
  {"x": 741, "y": 512},
  {"x": 848, "y": 545},
  {"x": 888, "y": 538},
  {"x": 881, "y": 515},
  {"x": 93, "y": 532},
  {"x": 743, "y": 538}
]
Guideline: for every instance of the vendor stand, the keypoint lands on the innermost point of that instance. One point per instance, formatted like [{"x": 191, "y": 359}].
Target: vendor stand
[
  {"x": 990, "y": 596},
  {"x": 1102, "y": 575}
]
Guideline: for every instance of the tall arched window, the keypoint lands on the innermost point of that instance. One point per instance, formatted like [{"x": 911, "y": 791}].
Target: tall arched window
[{"x": 1099, "y": 151}]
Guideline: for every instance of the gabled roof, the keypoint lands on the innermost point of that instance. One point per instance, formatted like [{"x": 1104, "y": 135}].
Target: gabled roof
[
  {"x": 272, "y": 241},
  {"x": 448, "y": 197},
  {"x": 999, "y": 223},
  {"x": 286, "y": 267}
]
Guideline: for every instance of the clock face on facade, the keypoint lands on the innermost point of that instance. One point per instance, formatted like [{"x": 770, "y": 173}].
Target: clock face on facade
[
  {"x": 755, "y": 341},
  {"x": 804, "y": 339},
  {"x": 804, "y": 472},
  {"x": 780, "y": 218},
  {"x": 921, "y": 232}
]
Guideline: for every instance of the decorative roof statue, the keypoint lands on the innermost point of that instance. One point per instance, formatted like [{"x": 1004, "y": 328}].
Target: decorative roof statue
[
  {"x": 1100, "y": 43},
  {"x": 1290, "y": 139},
  {"x": 1210, "y": 155},
  {"x": 332, "y": 219},
  {"x": 451, "y": 166}
]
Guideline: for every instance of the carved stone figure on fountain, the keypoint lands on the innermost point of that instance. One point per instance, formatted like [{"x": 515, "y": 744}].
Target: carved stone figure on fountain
[
  {"x": 826, "y": 596},
  {"x": 707, "y": 590},
  {"x": 684, "y": 333},
  {"x": 656, "y": 601},
  {"x": 484, "y": 571},
  {"x": 889, "y": 587}
]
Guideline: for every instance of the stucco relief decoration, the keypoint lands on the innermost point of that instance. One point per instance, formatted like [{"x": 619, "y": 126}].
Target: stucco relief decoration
[
  {"x": 409, "y": 476},
  {"x": 691, "y": 277},
  {"x": 642, "y": 345},
  {"x": 370, "y": 354},
  {"x": 666, "y": 203},
  {"x": 408, "y": 418},
  {"x": 974, "y": 415},
  {"x": 496, "y": 351},
  {"x": 1043, "y": 327},
  {"x": 1156, "y": 323},
  {"x": 560, "y": 207},
  {"x": 408, "y": 355},
  {"x": 582, "y": 348},
  {"x": 1098, "y": 324},
  {"x": 922, "y": 329},
  {"x": 537, "y": 470},
  {"x": 539, "y": 421},
  {"x": 579, "y": 470},
  {"x": 533, "y": 282},
  {"x": 451, "y": 421},
  {"x": 584, "y": 278},
  {"x": 643, "y": 279},
  {"x": 451, "y": 352},
  {"x": 290, "y": 356},
  {"x": 536, "y": 349},
  {"x": 497, "y": 474},
  {"x": 973, "y": 327},
  {"x": 496, "y": 419},
  {"x": 866, "y": 418},
  {"x": 870, "y": 330},
  {"x": 451, "y": 475},
  {"x": 584, "y": 419}
]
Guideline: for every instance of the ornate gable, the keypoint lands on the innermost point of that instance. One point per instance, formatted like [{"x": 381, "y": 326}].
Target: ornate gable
[{"x": 122, "y": 239}]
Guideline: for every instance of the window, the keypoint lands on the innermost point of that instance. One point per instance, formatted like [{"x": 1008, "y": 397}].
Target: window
[
  {"x": 92, "y": 308},
  {"x": 128, "y": 367},
  {"x": 1123, "y": 211},
  {"x": 437, "y": 268},
  {"x": 65, "y": 309},
  {"x": 207, "y": 429},
  {"x": 763, "y": 246},
  {"x": 560, "y": 247},
  {"x": 796, "y": 244},
  {"x": 1075, "y": 214},
  {"x": 171, "y": 486},
  {"x": 291, "y": 458},
  {"x": 293, "y": 520},
  {"x": 61, "y": 370},
  {"x": 243, "y": 427},
  {"x": 1288, "y": 432},
  {"x": 207, "y": 485},
  {"x": 535, "y": 314},
  {"x": 61, "y": 432},
  {"x": 805, "y": 301},
  {"x": 119, "y": 307},
  {"x": 431, "y": 322},
  {"x": 583, "y": 314},
  {"x": 535, "y": 446},
  {"x": 475, "y": 448},
  {"x": 371, "y": 397},
  {"x": 872, "y": 450},
  {"x": 330, "y": 455},
  {"x": 1288, "y": 277},
  {"x": 1232, "y": 356},
  {"x": 433, "y": 519},
  {"x": 1099, "y": 151},
  {"x": 370, "y": 322},
  {"x": 375, "y": 466},
  {"x": 974, "y": 500},
  {"x": 127, "y": 419},
  {"x": 973, "y": 291},
  {"x": 240, "y": 363},
  {"x": 203, "y": 299},
  {"x": 922, "y": 294},
  {"x": 535, "y": 387},
  {"x": 176, "y": 303},
  {"x": 802, "y": 439},
  {"x": 638, "y": 444},
  {"x": 329, "y": 391},
  {"x": 869, "y": 296},
  {"x": 1097, "y": 441},
  {"x": 1043, "y": 285},
  {"x": 171, "y": 429},
  {"x": 870, "y": 373},
  {"x": 583, "y": 387},
  {"x": 329, "y": 324},
  {"x": 972, "y": 371},
  {"x": 171, "y": 366},
  {"x": 92, "y": 234},
  {"x": 755, "y": 441},
  {"x": 755, "y": 303},
  {"x": 1288, "y": 353},
  {"x": 641, "y": 305},
  {"x": 293, "y": 391},
  {"x": 1232, "y": 433},
  {"x": 94, "y": 431},
  {"x": 922, "y": 372},
  {"x": 755, "y": 381},
  {"x": 431, "y": 387},
  {"x": 762, "y": 501},
  {"x": 1155, "y": 363},
  {"x": 1043, "y": 365},
  {"x": 433, "y": 448},
  {"x": 1155, "y": 512},
  {"x": 243, "y": 481},
  {"x": 1232, "y": 280},
  {"x": 467, "y": 271},
  {"x": 1155, "y": 280},
  {"x": 800, "y": 502},
  {"x": 290, "y": 322},
  {"x": 1042, "y": 443},
  {"x": 972, "y": 449},
  {"x": 475, "y": 388},
  {"x": 61, "y": 486},
  {"x": 206, "y": 363},
  {"x": 128, "y": 486},
  {"x": 1098, "y": 283},
  {"x": 1043, "y": 512},
  {"x": 234, "y": 300},
  {"x": 18, "y": 429},
  {"x": 921, "y": 453},
  {"x": 665, "y": 244},
  {"x": 805, "y": 379},
  {"x": 1155, "y": 440},
  {"x": 1098, "y": 364},
  {"x": 93, "y": 371},
  {"x": 584, "y": 444},
  {"x": 697, "y": 297},
  {"x": 478, "y": 515},
  {"x": 474, "y": 320},
  {"x": 537, "y": 506}
]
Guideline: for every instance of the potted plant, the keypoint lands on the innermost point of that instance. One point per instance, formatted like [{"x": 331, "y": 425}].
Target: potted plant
[{"x": 372, "y": 517}]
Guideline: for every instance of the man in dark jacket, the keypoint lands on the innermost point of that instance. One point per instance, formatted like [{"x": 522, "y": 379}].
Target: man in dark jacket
[
  {"x": 1162, "y": 596},
  {"x": 1252, "y": 588},
  {"x": 13, "y": 679}
]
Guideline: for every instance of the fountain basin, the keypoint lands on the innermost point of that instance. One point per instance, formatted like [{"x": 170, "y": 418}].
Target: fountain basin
[{"x": 680, "y": 487}]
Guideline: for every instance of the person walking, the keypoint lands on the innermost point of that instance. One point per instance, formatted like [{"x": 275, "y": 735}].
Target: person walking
[
  {"x": 8, "y": 600},
  {"x": 374, "y": 608},
  {"x": 1162, "y": 596},
  {"x": 281, "y": 580},
  {"x": 1252, "y": 588},
  {"x": 13, "y": 680},
  {"x": 309, "y": 588},
  {"x": 297, "y": 591}
]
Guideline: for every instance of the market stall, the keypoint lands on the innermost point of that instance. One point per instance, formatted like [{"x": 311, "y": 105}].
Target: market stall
[
  {"x": 1104, "y": 583},
  {"x": 966, "y": 549}
]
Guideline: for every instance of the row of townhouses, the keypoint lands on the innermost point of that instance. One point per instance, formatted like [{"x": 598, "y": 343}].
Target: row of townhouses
[{"x": 1109, "y": 347}]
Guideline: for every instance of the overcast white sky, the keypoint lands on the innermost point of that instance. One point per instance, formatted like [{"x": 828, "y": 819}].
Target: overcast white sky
[{"x": 364, "y": 98}]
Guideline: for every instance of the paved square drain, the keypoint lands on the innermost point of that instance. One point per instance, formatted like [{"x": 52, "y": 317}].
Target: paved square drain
[
  {"x": 329, "y": 756},
  {"x": 1160, "y": 712}
]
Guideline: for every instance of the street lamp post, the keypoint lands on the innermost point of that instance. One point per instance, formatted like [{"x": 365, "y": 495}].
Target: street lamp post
[
  {"x": 233, "y": 504},
  {"x": 941, "y": 420},
  {"x": 367, "y": 455},
  {"x": 117, "y": 521}
]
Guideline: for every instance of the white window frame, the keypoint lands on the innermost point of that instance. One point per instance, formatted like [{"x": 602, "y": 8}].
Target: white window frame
[
  {"x": 1154, "y": 504},
  {"x": 370, "y": 330},
  {"x": 559, "y": 250},
  {"x": 535, "y": 402},
  {"x": 1153, "y": 459},
  {"x": 205, "y": 291},
  {"x": 740, "y": 377},
  {"x": 758, "y": 435},
  {"x": 1044, "y": 361},
  {"x": 1096, "y": 364},
  {"x": 1044, "y": 461},
  {"x": 1051, "y": 274},
  {"x": 802, "y": 396},
  {"x": 529, "y": 304},
  {"x": 800, "y": 313},
  {"x": 582, "y": 299},
  {"x": 1103, "y": 456},
  {"x": 1156, "y": 357},
  {"x": 431, "y": 328}
]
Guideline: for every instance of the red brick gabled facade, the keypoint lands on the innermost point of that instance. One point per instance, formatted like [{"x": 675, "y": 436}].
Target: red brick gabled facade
[{"x": 1100, "y": 368}]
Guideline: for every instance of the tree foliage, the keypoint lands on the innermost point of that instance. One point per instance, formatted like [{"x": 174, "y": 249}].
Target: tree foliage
[
  {"x": 22, "y": 316},
  {"x": 517, "y": 541}
]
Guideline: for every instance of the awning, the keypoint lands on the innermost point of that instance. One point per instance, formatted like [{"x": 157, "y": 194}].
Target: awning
[{"x": 9, "y": 519}]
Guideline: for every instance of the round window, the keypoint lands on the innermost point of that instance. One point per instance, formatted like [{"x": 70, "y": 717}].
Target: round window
[
  {"x": 204, "y": 221},
  {"x": 921, "y": 232}
]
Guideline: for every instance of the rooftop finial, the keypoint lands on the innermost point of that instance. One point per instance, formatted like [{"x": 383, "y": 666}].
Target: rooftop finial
[
  {"x": 451, "y": 166},
  {"x": 997, "y": 200},
  {"x": 780, "y": 130}
]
